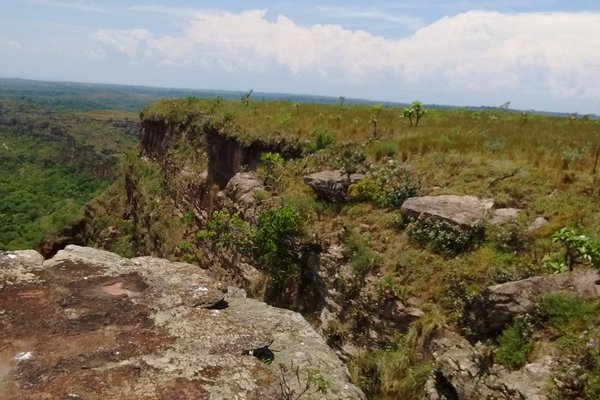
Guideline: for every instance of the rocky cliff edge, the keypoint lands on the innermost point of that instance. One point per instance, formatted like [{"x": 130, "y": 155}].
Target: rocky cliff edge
[{"x": 88, "y": 324}]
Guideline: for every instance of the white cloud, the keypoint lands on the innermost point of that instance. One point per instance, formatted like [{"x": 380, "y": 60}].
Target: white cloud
[
  {"x": 131, "y": 42},
  {"x": 546, "y": 53}
]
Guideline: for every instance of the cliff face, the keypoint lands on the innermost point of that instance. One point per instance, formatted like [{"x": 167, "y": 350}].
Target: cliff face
[{"x": 150, "y": 329}]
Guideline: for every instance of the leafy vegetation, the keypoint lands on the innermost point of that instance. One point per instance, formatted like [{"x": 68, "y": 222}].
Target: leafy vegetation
[
  {"x": 274, "y": 242},
  {"x": 515, "y": 344}
]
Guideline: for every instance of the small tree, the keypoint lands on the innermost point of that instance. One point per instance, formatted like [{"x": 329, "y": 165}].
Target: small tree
[
  {"x": 579, "y": 249},
  {"x": 273, "y": 170},
  {"x": 414, "y": 112},
  {"x": 246, "y": 97},
  {"x": 374, "y": 117}
]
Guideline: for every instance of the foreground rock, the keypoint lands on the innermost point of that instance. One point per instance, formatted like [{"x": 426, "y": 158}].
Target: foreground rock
[
  {"x": 497, "y": 305},
  {"x": 461, "y": 372},
  {"x": 331, "y": 186},
  {"x": 464, "y": 211},
  {"x": 89, "y": 324}
]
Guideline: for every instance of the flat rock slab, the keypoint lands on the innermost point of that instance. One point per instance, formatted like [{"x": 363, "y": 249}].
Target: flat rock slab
[
  {"x": 463, "y": 211},
  {"x": 88, "y": 324}
]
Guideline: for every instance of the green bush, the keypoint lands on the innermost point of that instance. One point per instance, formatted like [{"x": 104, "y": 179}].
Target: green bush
[
  {"x": 321, "y": 139},
  {"x": 274, "y": 242},
  {"x": 511, "y": 236},
  {"x": 515, "y": 344},
  {"x": 226, "y": 231},
  {"x": 442, "y": 236},
  {"x": 362, "y": 257},
  {"x": 388, "y": 187}
]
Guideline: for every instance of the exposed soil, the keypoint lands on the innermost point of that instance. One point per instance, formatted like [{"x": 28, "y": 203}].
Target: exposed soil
[{"x": 64, "y": 338}]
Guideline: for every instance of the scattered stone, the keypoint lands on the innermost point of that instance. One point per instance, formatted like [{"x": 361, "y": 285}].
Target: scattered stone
[
  {"x": 330, "y": 185},
  {"x": 537, "y": 224},
  {"x": 464, "y": 211},
  {"x": 497, "y": 305},
  {"x": 504, "y": 215}
]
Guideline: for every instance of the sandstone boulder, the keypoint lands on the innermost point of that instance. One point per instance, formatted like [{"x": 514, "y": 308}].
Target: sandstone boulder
[
  {"x": 89, "y": 324},
  {"x": 497, "y": 305},
  {"x": 463, "y": 211},
  {"x": 462, "y": 372},
  {"x": 331, "y": 186}
]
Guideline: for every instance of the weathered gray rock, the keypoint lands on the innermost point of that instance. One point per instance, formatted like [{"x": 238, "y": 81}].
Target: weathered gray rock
[
  {"x": 497, "y": 305},
  {"x": 537, "y": 224},
  {"x": 463, "y": 211},
  {"x": 463, "y": 372},
  {"x": 331, "y": 186},
  {"x": 504, "y": 215},
  {"x": 241, "y": 190},
  {"x": 150, "y": 329},
  {"x": 18, "y": 266}
]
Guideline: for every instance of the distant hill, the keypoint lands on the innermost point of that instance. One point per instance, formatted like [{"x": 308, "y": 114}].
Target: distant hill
[{"x": 71, "y": 96}]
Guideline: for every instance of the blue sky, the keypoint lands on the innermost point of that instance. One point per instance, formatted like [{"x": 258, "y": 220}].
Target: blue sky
[{"x": 539, "y": 55}]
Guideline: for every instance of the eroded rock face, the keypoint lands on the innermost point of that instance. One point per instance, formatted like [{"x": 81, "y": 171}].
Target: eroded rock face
[
  {"x": 462, "y": 372},
  {"x": 89, "y": 324},
  {"x": 331, "y": 186},
  {"x": 497, "y": 305},
  {"x": 463, "y": 211}
]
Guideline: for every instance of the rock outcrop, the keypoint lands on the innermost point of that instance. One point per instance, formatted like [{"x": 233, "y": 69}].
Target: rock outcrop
[
  {"x": 497, "y": 305},
  {"x": 331, "y": 186},
  {"x": 242, "y": 190},
  {"x": 463, "y": 211},
  {"x": 88, "y": 324},
  {"x": 462, "y": 372}
]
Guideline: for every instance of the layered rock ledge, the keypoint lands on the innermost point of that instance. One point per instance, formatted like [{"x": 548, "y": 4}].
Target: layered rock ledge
[{"x": 88, "y": 324}]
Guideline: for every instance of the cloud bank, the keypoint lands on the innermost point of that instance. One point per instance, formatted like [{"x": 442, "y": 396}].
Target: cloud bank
[{"x": 548, "y": 54}]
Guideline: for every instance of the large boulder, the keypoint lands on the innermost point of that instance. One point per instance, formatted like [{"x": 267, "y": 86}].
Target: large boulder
[
  {"x": 88, "y": 324},
  {"x": 463, "y": 372},
  {"x": 331, "y": 186},
  {"x": 465, "y": 212},
  {"x": 497, "y": 305}
]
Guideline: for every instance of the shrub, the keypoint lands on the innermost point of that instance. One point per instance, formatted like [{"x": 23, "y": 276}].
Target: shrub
[
  {"x": 511, "y": 236},
  {"x": 387, "y": 187},
  {"x": 274, "y": 242},
  {"x": 226, "y": 231},
  {"x": 362, "y": 257},
  {"x": 321, "y": 139},
  {"x": 442, "y": 236},
  {"x": 515, "y": 344}
]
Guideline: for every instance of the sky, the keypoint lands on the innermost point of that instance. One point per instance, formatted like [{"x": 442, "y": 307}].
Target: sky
[{"x": 538, "y": 55}]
